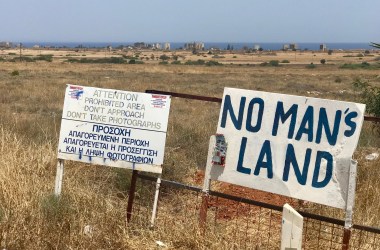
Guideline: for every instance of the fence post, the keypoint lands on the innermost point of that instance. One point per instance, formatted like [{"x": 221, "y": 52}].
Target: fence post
[
  {"x": 346, "y": 238},
  {"x": 59, "y": 177},
  {"x": 203, "y": 212},
  {"x": 206, "y": 185},
  {"x": 131, "y": 196},
  {"x": 350, "y": 205},
  {"x": 155, "y": 203}
]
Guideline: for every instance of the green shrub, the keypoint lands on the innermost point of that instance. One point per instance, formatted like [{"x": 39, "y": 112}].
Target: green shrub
[
  {"x": 285, "y": 61},
  {"x": 370, "y": 96},
  {"x": 264, "y": 64},
  {"x": 164, "y": 57},
  {"x": 213, "y": 63},
  {"x": 48, "y": 58},
  {"x": 323, "y": 61},
  {"x": 113, "y": 60},
  {"x": 15, "y": 73},
  {"x": 310, "y": 66},
  {"x": 198, "y": 62},
  {"x": 363, "y": 65},
  {"x": 338, "y": 79},
  {"x": 176, "y": 62},
  {"x": 274, "y": 63},
  {"x": 25, "y": 59},
  {"x": 12, "y": 54},
  {"x": 163, "y": 62}
]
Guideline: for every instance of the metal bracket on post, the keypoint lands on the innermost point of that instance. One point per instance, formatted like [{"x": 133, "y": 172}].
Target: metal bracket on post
[
  {"x": 216, "y": 156},
  {"x": 59, "y": 177},
  {"x": 131, "y": 197},
  {"x": 350, "y": 204},
  {"x": 155, "y": 203}
]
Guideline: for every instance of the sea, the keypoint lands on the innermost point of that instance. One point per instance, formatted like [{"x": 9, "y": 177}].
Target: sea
[{"x": 208, "y": 45}]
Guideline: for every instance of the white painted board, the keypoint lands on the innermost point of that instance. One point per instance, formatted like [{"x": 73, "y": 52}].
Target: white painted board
[
  {"x": 269, "y": 134},
  {"x": 292, "y": 227},
  {"x": 114, "y": 128}
]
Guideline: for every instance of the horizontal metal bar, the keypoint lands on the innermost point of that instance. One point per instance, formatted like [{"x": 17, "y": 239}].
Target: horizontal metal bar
[
  {"x": 258, "y": 203},
  {"x": 169, "y": 183},
  {"x": 367, "y": 228},
  {"x": 219, "y": 100},
  {"x": 371, "y": 118},
  {"x": 186, "y": 96},
  {"x": 322, "y": 218}
]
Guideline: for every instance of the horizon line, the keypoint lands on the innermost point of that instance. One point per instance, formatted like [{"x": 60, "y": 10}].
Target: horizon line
[{"x": 253, "y": 42}]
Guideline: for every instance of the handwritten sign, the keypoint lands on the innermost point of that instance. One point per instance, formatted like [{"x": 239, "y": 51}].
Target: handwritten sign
[
  {"x": 114, "y": 128},
  {"x": 290, "y": 145}
]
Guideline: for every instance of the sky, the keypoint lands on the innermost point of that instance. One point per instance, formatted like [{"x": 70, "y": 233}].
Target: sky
[{"x": 196, "y": 20}]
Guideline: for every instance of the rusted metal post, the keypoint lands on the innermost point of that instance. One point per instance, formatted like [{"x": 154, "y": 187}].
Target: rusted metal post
[
  {"x": 346, "y": 238},
  {"x": 131, "y": 196},
  {"x": 203, "y": 212}
]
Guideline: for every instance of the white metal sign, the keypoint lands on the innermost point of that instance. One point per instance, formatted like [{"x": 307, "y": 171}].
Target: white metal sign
[
  {"x": 290, "y": 145},
  {"x": 291, "y": 230},
  {"x": 114, "y": 128}
]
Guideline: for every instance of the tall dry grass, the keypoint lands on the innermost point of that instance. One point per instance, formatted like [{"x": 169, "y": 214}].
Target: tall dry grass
[{"x": 95, "y": 196}]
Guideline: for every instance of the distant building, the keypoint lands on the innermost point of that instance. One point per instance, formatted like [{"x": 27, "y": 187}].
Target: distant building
[
  {"x": 167, "y": 46},
  {"x": 323, "y": 47},
  {"x": 293, "y": 46},
  {"x": 156, "y": 46},
  {"x": 285, "y": 47},
  {"x": 139, "y": 45},
  {"x": 256, "y": 47},
  {"x": 36, "y": 46},
  {"x": 6, "y": 45},
  {"x": 194, "y": 45}
]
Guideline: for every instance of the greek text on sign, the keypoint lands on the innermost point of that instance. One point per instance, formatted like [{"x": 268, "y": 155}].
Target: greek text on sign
[
  {"x": 114, "y": 128},
  {"x": 290, "y": 145}
]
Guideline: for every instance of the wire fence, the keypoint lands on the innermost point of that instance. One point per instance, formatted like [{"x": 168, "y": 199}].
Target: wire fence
[
  {"x": 238, "y": 222},
  {"x": 248, "y": 224}
]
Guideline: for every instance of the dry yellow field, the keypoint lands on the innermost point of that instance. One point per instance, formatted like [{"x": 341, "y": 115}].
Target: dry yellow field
[{"x": 31, "y": 105}]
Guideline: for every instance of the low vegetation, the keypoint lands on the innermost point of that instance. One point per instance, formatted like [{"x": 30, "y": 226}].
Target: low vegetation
[
  {"x": 363, "y": 65},
  {"x": 311, "y": 66},
  {"x": 113, "y": 60},
  {"x": 91, "y": 213},
  {"x": 370, "y": 96}
]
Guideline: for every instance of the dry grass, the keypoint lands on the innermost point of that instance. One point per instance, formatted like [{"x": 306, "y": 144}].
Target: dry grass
[{"x": 31, "y": 104}]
